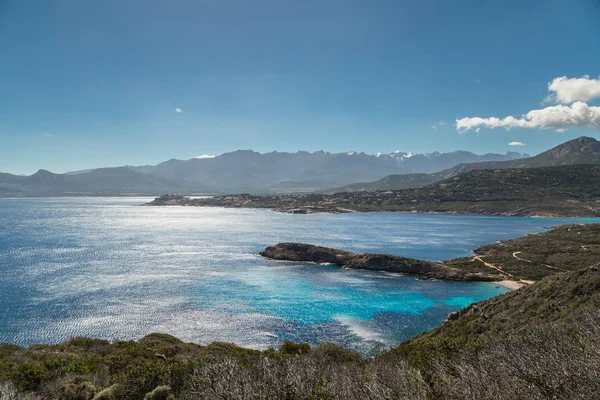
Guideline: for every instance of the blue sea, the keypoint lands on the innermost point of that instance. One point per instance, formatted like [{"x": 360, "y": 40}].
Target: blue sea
[{"x": 108, "y": 268}]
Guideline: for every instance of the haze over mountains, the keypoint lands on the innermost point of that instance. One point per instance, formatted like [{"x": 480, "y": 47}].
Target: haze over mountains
[
  {"x": 239, "y": 171},
  {"x": 252, "y": 172}
]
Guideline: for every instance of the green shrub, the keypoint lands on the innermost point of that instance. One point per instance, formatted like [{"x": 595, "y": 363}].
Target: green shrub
[
  {"x": 110, "y": 393},
  {"x": 160, "y": 393},
  {"x": 30, "y": 376},
  {"x": 77, "y": 391},
  {"x": 294, "y": 349}
]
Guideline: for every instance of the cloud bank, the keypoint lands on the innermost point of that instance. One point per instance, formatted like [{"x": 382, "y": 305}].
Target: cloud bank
[
  {"x": 559, "y": 118},
  {"x": 517, "y": 144},
  {"x": 573, "y": 113}
]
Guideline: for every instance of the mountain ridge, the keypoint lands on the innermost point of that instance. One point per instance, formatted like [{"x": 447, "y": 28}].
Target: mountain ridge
[
  {"x": 582, "y": 150},
  {"x": 237, "y": 171}
]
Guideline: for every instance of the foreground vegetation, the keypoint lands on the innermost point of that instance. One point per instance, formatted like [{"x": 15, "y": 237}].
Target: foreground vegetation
[{"x": 539, "y": 342}]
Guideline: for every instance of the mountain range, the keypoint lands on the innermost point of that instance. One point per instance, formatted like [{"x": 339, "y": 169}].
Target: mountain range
[
  {"x": 239, "y": 171},
  {"x": 276, "y": 172}
]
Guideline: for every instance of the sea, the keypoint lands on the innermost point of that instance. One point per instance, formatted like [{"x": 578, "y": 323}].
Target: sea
[{"x": 106, "y": 267}]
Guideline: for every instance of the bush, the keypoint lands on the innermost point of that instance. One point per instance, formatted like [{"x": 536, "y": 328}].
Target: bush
[
  {"x": 160, "y": 393},
  {"x": 110, "y": 393},
  {"x": 8, "y": 391},
  {"x": 78, "y": 391},
  {"x": 294, "y": 349},
  {"x": 30, "y": 376}
]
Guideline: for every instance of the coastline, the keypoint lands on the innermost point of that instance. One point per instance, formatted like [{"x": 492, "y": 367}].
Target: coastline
[
  {"x": 512, "y": 285},
  {"x": 301, "y": 205}
]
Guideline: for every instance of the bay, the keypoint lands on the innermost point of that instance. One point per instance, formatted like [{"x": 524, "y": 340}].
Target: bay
[{"x": 108, "y": 268}]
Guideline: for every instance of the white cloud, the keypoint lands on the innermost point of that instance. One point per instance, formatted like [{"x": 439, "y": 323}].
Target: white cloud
[
  {"x": 46, "y": 134},
  {"x": 559, "y": 118},
  {"x": 178, "y": 110},
  {"x": 568, "y": 90},
  {"x": 442, "y": 123},
  {"x": 572, "y": 113},
  {"x": 434, "y": 126},
  {"x": 205, "y": 156},
  {"x": 517, "y": 144}
]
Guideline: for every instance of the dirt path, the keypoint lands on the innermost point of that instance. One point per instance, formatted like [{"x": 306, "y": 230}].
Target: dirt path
[
  {"x": 519, "y": 258},
  {"x": 512, "y": 283},
  {"x": 487, "y": 264},
  {"x": 529, "y": 261}
]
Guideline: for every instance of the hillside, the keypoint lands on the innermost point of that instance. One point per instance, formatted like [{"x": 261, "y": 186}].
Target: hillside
[
  {"x": 538, "y": 342},
  {"x": 566, "y": 191},
  {"x": 533, "y": 257},
  {"x": 583, "y": 150}
]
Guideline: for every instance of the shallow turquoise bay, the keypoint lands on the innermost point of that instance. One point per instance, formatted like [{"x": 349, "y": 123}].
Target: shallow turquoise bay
[{"x": 105, "y": 267}]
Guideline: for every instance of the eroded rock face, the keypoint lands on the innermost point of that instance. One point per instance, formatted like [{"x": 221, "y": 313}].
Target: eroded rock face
[{"x": 375, "y": 262}]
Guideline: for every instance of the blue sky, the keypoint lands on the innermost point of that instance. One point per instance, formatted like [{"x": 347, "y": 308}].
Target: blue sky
[{"x": 87, "y": 84}]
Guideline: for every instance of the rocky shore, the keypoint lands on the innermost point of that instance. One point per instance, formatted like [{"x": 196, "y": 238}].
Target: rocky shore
[{"x": 374, "y": 262}]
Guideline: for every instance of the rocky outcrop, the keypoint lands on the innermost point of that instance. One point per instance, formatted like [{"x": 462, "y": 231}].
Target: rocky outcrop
[
  {"x": 374, "y": 262},
  {"x": 170, "y": 199}
]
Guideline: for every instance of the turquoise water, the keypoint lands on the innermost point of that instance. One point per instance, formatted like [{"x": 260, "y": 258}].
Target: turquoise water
[{"x": 105, "y": 267}]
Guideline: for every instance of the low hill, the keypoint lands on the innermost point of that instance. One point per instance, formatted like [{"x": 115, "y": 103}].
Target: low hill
[{"x": 583, "y": 150}]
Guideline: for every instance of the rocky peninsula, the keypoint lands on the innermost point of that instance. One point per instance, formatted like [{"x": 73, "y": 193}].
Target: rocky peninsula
[
  {"x": 512, "y": 263},
  {"x": 374, "y": 262}
]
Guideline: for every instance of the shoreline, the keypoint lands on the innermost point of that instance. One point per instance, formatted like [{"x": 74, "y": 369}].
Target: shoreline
[
  {"x": 244, "y": 201},
  {"x": 512, "y": 285}
]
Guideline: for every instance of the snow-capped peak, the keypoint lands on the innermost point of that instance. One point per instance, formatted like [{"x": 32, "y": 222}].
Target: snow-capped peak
[{"x": 397, "y": 155}]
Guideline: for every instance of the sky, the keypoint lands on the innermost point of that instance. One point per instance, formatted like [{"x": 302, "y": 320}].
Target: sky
[{"x": 88, "y": 84}]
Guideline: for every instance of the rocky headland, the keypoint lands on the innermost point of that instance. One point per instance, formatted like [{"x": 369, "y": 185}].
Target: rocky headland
[
  {"x": 513, "y": 263},
  {"x": 375, "y": 262}
]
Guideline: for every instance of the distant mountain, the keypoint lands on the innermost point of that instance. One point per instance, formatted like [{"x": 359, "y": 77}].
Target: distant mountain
[
  {"x": 583, "y": 150},
  {"x": 249, "y": 171},
  {"x": 102, "y": 181},
  {"x": 239, "y": 171}
]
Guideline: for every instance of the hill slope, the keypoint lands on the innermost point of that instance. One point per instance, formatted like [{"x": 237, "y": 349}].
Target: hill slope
[{"x": 583, "y": 150}]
